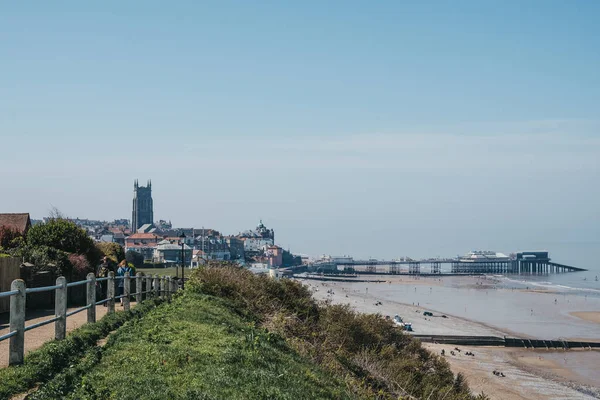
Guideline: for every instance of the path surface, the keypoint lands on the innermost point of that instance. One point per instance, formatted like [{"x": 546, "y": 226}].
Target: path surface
[{"x": 35, "y": 338}]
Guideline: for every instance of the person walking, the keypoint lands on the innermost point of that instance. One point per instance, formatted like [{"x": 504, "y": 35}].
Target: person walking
[
  {"x": 121, "y": 271},
  {"x": 103, "y": 273}
]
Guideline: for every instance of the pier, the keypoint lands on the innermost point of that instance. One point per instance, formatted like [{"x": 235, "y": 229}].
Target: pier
[{"x": 527, "y": 262}]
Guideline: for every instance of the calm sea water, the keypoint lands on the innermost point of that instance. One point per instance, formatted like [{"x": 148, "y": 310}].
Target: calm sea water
[{"x": 577, "y": 254}]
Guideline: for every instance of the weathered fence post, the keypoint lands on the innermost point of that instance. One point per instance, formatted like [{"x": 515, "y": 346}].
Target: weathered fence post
[
  {"x": 169, "y": 288},
  {"x": 126, "y": 291},
  {"x": 17, "y": 323},
  {"x": 91, "y": 297},
  {"x": 162, "y": 287},
  {"x": 60, "y": 304},
  {"x": 156, "y": 286},
  {"x": 110, "y": 292},
  {"x": 148, "y": 287},
  {"x": 138, "y": 287}
]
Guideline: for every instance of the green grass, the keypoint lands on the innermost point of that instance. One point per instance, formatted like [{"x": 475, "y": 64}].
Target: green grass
[
  {"x": 54, "y": 357},
  {"x": 195, "y": 347}
]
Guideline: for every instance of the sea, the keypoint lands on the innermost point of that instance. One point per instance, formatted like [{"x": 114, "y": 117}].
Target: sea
[
  {"x": 577, "y": 254},
  {"x": 539, "y": 306}
]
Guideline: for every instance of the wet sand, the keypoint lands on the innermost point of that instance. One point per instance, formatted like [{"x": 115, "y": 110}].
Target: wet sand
[
  {"x": 527, "y": 376},
  {"x": 591, "y": 316}
]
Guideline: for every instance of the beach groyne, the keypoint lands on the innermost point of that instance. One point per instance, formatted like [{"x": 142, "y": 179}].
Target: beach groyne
[{"x": 507, "y": 342}]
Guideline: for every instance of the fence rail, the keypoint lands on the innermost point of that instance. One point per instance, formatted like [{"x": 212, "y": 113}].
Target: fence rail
[{"x": 150, "y": 286}]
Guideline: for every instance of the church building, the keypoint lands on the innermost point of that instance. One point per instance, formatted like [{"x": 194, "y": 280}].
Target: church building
[{"x": 143, "y": 212}]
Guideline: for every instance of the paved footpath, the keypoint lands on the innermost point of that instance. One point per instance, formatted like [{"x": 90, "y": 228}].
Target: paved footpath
[{"x": 35, "y": 338}]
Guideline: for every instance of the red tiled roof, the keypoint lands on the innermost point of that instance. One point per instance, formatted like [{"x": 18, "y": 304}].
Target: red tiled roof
[
  {"x": 18, "y": 222},
  {"x": 141, "y": 245},
  {"x": 138, "y": 236}
]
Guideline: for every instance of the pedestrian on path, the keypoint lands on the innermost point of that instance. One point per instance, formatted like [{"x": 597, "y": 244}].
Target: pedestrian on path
[
  {"x": 121, "y": 271},
  {"x": 103, "y": 271}
]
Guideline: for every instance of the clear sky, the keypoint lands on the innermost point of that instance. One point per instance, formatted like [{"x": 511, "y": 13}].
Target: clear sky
[{"x": 379, "y": 129}]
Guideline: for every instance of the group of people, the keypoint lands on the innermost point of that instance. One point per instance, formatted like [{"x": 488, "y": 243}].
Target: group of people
[
  {"x": 105, "y": 267},
  {"x": 467, "y": 353}
]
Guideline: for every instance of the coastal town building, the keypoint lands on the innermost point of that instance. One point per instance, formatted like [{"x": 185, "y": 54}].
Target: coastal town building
[
  {"x": 198, "y": 258},
  {"x": 213, "y": 247},
  {"x": 256, "y": 240},
  {"x": 143, "y": 209},
  {"x": 236, "y": 248},
  {"x": 143, "y": 243},
  {"x": 274, "y": 255},
  {"x": 169, "y": 253},
  {"x": 19, "y": 223}
]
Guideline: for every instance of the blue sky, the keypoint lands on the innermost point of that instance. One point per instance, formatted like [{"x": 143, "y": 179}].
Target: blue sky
[{"x": 349, "y": 127}]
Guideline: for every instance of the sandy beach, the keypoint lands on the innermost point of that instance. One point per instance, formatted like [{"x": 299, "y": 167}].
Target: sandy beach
[
  {"x": 529, "y": 374},
  {"x": 592, "y": 316}
]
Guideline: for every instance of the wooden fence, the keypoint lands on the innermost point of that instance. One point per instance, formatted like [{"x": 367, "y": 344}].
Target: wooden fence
[
  {"x": 9, "y": 271},
  {"x": 146, "y": 286}
]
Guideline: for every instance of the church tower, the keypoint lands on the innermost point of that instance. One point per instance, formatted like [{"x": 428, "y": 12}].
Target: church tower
[{"x": 142, "y": 206}]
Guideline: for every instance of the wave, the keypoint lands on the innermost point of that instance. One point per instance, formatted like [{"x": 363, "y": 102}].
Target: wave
[{"x": 550, "y": 285}]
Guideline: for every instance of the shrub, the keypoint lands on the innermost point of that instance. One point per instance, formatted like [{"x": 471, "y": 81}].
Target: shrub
[
  {"x": 64, "y": 235},
  {"x": 113, "y": 251},
  {"x": 9, "y": 237},
  {"x": 81, "y": 266},
  {"x": 376, "y": 357},
  {"x": 135, "y": 258}
]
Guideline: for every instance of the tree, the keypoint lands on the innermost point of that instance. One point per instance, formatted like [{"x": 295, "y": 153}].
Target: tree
[
  {"x": 290, "y": 260},
  {"x": 9, "y": 238},
  {"x": 66, "y": 236},
  {"x": 113, "y": 251},
  {"x": 134, "y": 258}
]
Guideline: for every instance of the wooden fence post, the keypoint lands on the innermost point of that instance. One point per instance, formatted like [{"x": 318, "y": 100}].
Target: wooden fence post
[
  {"x": 60, "y": 304},
  {"x": 169, "y": 287},
  {"x": 138, "y": 287},
  {"x": 156, "y": 286},
  {"x": 91, "y": 297},
  {"x": 148, "y": 287},
  {"x": 110, "y": 292},
  {"x": 17, "y": 323},
  {"x": 126, "y": 291}
]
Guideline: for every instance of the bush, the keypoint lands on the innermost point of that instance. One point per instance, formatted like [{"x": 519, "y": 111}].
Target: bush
[
  {"x": 64, "y": 235},
  {"x": 9, "y": 238},
  {"x": 81, "y": 266},
  {"x": 135, "y": 258},
  {"x": 113, "y": 251},
  {"x": 378, "y": 359}
]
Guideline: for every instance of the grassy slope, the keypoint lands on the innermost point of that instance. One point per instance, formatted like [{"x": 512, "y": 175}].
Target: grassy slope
[{"x": 197, "y": 347}]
